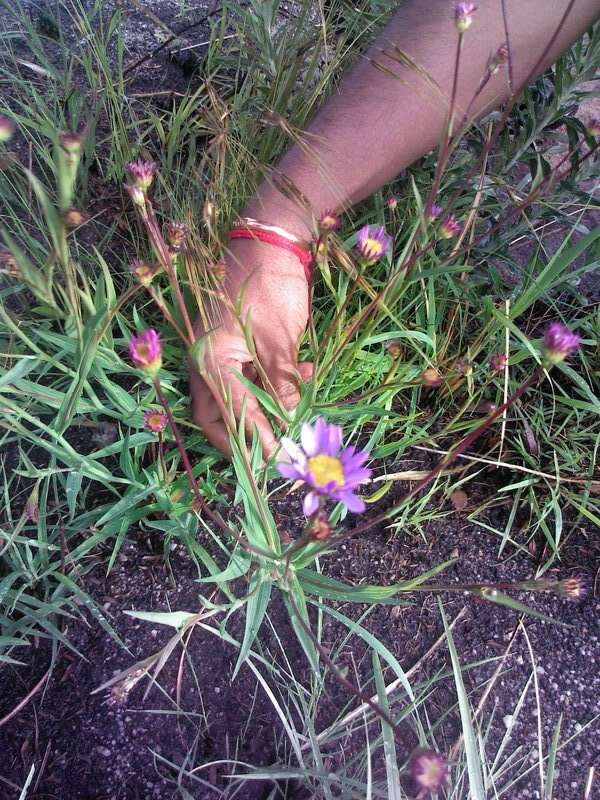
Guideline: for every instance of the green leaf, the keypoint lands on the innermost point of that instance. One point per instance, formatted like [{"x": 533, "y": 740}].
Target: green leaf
[
  {"x": 256, "y": 607},
  {"x": 476, "y": 787},
  {"x": 174, "y": 619},
  {"x": 394, "y": 791},
  {"x": 305, "y": 640}
]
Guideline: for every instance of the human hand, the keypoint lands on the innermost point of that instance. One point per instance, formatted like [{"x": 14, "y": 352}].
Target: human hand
[{"x": 274, "y": 308}]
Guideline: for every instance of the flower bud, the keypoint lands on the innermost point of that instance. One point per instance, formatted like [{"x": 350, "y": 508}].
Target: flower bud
[
  {"x": 450, "y": 227},
  {"x": 141, "y": 173},
  {"x": 559, "y": 342},
  {"x": 498, "y": 59},
  {"x": 320, "y": 528},
  {"x": 434, "y": 213},
  {"x": 7, "y": 129},
  {"x": 593, "y": 126},
  {"x": 428, "y": 772},
  {"x": 498, "y": 362},
  {"x": 431, "y": 378},
  {"x": 463, "y": 16},
  {"x": 392, "y": 203},
  {"x": 146, "y": 353},
  {"x": 394, "y": 349},
  {"x": 73, "y": 218},
  {"x": 176, "y": 235},
  {"x": 328, "y": 221}
]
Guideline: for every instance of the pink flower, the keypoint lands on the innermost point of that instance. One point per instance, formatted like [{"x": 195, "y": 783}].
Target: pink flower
[
  {"x": 434, "y": 213},
  {"x": 328, "y": 469},
  {"x": 145, "y": 352},
  {"x": 559, "y": 342},
  {"x": 155, "y": 421},
  {"x": 450, "y": 227},
  {"x": 575, "y": 588},
  {"x": 463, "y": 16},
  {"x": 373, "y": 243},
  {"x": 141, "y": 173},
  {"x": 498, "y": 362},
  {"x": 428, "y": 772},
  {"x": 329, "y": 221},
  {"x": 392, "y": 203}
]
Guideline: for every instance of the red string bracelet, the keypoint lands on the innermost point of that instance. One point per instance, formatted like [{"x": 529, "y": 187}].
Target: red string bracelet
[{"x": 304, "y": 255}]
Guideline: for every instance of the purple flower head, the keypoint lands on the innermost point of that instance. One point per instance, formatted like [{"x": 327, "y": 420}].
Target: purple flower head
[
  {"x": 434, "y": 213},
  {"x": 450, "y": 227},
  {"x": 463, "y": 16},
  {"x": 327, "y": 468},
  {"x": 141, "y": 173},
  {"x": 372, "y": 243},
  {"x": 329, "y": 221},
  {"x": 559, "y": 342},
  {"x": 498, "y": 362},
  {"x": 145, "y": 352},
  {"x": 155, "y": 421},
  {"x": 428, "y": 772},
  {"x": 7, "y": 128}
]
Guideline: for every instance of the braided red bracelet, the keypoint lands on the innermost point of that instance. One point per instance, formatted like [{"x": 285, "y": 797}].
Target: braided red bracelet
[{"x": 261, "y": 234}]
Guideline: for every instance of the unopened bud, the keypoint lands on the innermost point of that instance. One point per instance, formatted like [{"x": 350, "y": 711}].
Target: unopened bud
[
  {"x": 320, "y": 529},
  {"x": 73, "y": 218},
  {"x": 7, "y": 129},
  {"x": 463, "y": 16},
  {"x": 142, "y": 272},
  {"x": 176, "y": 235},
  {"x": 431, "y": 378},
  {"x": 498, "y": 59},
  {"x": 498, "y": 362},
  {"x": 392, "y": 203},
  {"x": 394, "y": 349}
]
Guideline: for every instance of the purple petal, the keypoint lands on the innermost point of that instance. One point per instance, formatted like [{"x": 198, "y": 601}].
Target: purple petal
[
  {"x": 334, "y": 438},
  {"x": 308, "y": 437},
  {"x": 293, "y": 451},
  {"x": 352, "y": 502},
  {"x": 310, "y": 504},
  {"x": 290, "y": 471},
  {"x": 321, "y": 435}
]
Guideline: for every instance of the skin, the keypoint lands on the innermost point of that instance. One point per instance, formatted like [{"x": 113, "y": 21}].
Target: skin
[{"x": 364, "y": 135}]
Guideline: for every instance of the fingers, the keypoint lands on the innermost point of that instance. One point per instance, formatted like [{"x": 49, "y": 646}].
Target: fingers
[{"x": 210, "y": 392}]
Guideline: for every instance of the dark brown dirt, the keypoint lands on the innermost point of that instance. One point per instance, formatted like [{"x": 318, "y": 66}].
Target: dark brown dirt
[{"x": 91, "y": 747}]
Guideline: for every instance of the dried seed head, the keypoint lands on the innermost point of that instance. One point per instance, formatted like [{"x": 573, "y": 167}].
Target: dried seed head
[
  {"x": 73, "y": 218},
  {"x": 8, "y": 264},
  {"x": 394, "y": 349},
  {"x": 176, "y": 235},
  {"x": 574, "y": 588},
  {"x": 142, "y": 272},
  {"x": 431, "y": 378}
]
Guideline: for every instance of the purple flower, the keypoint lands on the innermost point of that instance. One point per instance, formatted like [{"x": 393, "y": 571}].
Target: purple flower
[
  {"x": 141, "y": 173},
  {"x": 559, "y": 342},
  {"x": 329, "y": 221},
  {"x": 372, "y": 243},
  {"x": 434, "y": 213},
  {"x": 463, "y": 16},
  {"x": 145, "y": 352},
  {"x": 498, "y": 362},
  {"x": 428, "y": 771},
  {"x": 327, "y": 468},
  {"x": 450, "y": 227},
  {"x": 155, "y": 421}
]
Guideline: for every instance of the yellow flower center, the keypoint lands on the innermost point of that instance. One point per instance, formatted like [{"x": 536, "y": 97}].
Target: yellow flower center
[
  {"x": 326, "y": 469},
  {"x": 372, "y": 248},
  {"x": 155, "y": 421},
  {"x": 143, "y": 352}
]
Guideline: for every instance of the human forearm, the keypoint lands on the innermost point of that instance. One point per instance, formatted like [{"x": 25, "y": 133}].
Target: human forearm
[{"x": 377, "y": 124}]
